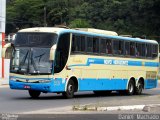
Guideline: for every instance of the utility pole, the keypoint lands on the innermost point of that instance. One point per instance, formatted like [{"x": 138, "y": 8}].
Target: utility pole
[
  {"x": 45, "y": 21},
  {"x": 45, "y": 13}
]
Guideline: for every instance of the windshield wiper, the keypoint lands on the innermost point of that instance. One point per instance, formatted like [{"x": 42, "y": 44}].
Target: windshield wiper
[
  {"x": 34, "y": 64},
  {"x": 23, "y": 61},
  {"x": 40, "y": 56}
]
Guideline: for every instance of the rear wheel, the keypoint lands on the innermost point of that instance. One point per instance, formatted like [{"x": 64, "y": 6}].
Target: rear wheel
[
  {"x": 139, "y": 88},
  {"x": 34, "y": 94},
  {"x": 70, "y": 90},
  {"x": 131, "y": 88}
]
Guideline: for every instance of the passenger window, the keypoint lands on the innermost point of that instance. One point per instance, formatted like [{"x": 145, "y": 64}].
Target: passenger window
[
  {"x": 78, "y": 43},
  {"x": 73, "y": 44},
  {"x": 118, "y": 47},
  {"x": 138, "y": 49},
  {"x": 106, "y": 46},
  {"x": 143, "y": 52},
  {"x": 96, "y": 45},
  {"x": 103, "y": 46},
  {"x": 89, "y": 44},
  {"x": 109, "y": 46},
  {"x": 127, "y": 48},
  {"x": 149, "y": 50},
  {"x": 155, "y": 51},
  {"x": 132, "y": 48},
  {"x": 83, "y": 43}
]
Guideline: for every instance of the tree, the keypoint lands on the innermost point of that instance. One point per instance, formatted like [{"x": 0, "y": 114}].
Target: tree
[
  {"x": 135, "y": 17},
  {"x": 79, "y": 23}
]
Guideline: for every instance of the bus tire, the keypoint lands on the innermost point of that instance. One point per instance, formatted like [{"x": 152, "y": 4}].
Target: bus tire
[
  {"x": 70, "y": 90},
  {"x": 34, "y": 94},
  {"x": 131, "y": 88},
  {"x": 139, "y": 88}
]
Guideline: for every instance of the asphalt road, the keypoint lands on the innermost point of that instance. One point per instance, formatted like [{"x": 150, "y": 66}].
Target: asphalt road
[{"x": 17, "y": 101}]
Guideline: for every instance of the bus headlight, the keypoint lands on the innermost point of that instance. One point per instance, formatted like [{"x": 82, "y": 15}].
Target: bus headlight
[{"x": 12, "y": 78}]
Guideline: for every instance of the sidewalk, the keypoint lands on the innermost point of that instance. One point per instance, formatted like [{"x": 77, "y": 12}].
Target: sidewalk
[
  {"x": 141, "y": 109},
  {"x": 129, "y": 107},
  {"x": 3, "y": 85},
  {"x": 146, "y": 103}
]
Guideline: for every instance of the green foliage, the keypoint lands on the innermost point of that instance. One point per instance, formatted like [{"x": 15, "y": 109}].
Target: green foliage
[
  {"x": 79, "y": 23},
  {"x": 136, "y": 17}
]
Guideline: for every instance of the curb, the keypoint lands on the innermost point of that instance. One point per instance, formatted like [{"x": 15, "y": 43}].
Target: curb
[
  {"x": 4, "y": 86},
  {"x": 145, "y": 108}
]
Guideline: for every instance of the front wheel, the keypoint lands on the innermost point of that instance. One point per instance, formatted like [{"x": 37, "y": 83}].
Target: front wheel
[
  {"x": 70, "y": 90},
  {"x": 34, "y": 94}
]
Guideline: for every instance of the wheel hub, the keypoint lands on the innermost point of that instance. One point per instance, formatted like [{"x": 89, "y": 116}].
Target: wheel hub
[
  {"x": 70, "y": 88},
  {"x": 130, "y": 88}
]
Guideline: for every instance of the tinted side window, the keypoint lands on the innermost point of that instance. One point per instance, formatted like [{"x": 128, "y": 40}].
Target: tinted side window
[
  {"x": 103, "y": 46},
  {"x": 83, "y": 43},
  {"x": 143, "y": 52},
  {"x": 132, "y": 48},
  {"x": 78, "y": 43},
  {"x": 73, "y": 49},
  {"x": 127, "y": 48},
  {"x": 109, "y": 46},
  {"x": 148, "y": 50},
  {"x": 118, "y": 47},
  {"x": 96, "y": 45},
  {"x": 106, "y": 46},
  {"x": 89, "y": 44},
  {"x": 154, "y": 51},
  {"x": 138, "y": 49}
]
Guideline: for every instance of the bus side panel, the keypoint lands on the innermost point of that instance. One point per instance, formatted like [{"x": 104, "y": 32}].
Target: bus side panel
[
  {"x": 151, "y": 83},
  {"x": 102, "y": 84},
  {"x": 58, "y": 85}
]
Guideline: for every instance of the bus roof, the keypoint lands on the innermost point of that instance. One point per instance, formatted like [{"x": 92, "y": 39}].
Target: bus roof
[
  {"x": 84, "y": 32},
  {"x": 98, "y": 31}
]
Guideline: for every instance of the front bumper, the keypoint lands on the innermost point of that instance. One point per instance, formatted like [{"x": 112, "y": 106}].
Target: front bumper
[
  {"x": 51, "y": 86},
  {"x": 45, "y": 87}
]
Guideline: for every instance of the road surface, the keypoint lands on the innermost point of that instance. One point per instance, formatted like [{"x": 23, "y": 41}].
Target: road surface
[{"x": 18, "y": 101}]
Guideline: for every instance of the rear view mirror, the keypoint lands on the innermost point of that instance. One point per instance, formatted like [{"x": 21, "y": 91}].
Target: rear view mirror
[{"x": 7, "y": 51}]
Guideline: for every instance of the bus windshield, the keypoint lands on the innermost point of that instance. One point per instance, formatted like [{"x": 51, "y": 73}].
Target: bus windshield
[
  {"x": 35, "y": 39},
  {"x": 32, "y": 52},
  {"x": 31, "y": 61}
]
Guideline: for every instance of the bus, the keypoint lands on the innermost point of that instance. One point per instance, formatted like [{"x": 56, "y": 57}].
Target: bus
[{"x": 60, "y": 60}]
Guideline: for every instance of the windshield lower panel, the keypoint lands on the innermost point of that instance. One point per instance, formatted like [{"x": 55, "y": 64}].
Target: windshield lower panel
[{"x": 27, "y": 60}]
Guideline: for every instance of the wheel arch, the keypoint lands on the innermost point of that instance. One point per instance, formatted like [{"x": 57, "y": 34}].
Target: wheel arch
[
  {"x": 75, "y": 80},
  {"x": 140, "y": 79},
  {"x": 133, "y": 79}
]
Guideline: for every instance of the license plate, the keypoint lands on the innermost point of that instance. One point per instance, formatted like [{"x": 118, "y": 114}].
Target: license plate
[{"x": 27, "y": 87}]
